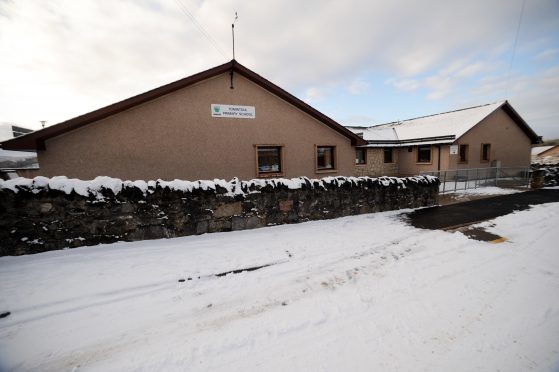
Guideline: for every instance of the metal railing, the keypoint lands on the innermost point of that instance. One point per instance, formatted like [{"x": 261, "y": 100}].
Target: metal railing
[{"x": 464, "y": 179}]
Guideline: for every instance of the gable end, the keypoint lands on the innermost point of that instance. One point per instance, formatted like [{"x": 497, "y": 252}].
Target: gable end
[{"x": 36, "y": 140}]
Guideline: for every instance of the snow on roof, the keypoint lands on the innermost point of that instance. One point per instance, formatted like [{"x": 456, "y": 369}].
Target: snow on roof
[
  {"x": 409, "y": 143},
  {"x": 454, "y": 123},
  {"x": 539, "y": 149},
  {"x": 11, "y": 130},
  {"x": 6, "y": 131},
  {"x": 379, "y": 134}
]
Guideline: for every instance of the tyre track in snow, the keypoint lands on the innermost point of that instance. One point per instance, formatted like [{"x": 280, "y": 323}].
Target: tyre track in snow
[
  {"x": 374, "y": 294},
  {"x": 295, "y": 280}
]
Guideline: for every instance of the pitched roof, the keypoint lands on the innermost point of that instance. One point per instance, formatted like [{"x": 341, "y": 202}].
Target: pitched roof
[
  {"x": 36, "y": 140},
  {"x": 445, "y": 127},
  {"x": 539, "y": 150}
]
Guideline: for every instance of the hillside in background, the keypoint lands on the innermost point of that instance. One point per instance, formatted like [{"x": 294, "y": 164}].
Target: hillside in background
[
  {"x": 550, "y": 142},
  {"x": 18, "y": 159}
]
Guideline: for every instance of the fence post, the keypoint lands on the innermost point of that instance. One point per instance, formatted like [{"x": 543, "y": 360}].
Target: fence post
[
  {"x": 444, "y": 182},
  {"x": 477, "y": 178},
  {"x": 496, "y": 175}
]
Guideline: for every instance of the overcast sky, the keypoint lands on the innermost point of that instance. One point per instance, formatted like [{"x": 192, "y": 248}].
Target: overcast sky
[{"x": 360, "y": 62}]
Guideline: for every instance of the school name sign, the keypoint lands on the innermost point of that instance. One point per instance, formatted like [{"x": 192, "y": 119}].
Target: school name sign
[{"x": 233, "y": 111}]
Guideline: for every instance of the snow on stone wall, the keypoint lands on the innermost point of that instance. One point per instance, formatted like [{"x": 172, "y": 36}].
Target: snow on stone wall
[
  {"x": 42, "y": 214},
  {"x": 94, "y": 188}
]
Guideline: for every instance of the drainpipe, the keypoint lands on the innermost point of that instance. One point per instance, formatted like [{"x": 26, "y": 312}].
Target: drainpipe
[{"x": 439, "y": 161}]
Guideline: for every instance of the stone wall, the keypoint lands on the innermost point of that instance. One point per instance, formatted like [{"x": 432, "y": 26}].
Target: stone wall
[
  {"x": 375, "y": 165},
  {"x": 550, "y": 173},
  {"x": 44, "y": 214}
]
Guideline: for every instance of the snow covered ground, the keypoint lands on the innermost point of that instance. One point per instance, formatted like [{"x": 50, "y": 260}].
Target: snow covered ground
[
  {"x": 487, "y": 190},
  {"x": 479, "y": 193},
  {"x": 361, "y": 293}
]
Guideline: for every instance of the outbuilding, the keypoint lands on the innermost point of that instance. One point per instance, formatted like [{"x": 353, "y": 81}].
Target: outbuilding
[
  {"x": 545, "y": 154},
  {"x": 490, "y": 135},
  {"x": 541, "y": 151}
]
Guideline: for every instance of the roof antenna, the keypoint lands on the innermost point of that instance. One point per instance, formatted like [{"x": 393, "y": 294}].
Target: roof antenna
[
  {"x": 233, "y": 61},
  {"x": 43, "y": 123},
  {"x": 233, "y": 32}
]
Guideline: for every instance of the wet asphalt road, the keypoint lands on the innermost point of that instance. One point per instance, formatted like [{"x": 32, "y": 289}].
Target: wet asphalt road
[{"x": 452, "y": 216}]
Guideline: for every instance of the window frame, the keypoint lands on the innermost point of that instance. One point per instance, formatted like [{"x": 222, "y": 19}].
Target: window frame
[
  {"x": 270, "y": 174},
  {"x": 481, "y": 159},
  {"x": 364, "y": 149},
  {"x": 430, "y": 155},
  {"x": 334, "y": 168},
  {"x": 467, "y": 153},
  {"x": 384, "y": 149}
]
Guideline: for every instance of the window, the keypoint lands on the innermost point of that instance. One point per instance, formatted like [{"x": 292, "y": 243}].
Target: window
[
  {"x": 463, "y": 153},
  {"x": 485, "y": 151},
  {"x": 325, "y": 157},
  {"x": 360, "y": 156},
  {"x": 269, "y": 160},
  {"x": 388, "y": 155},
  {"x": 424, "y": 154}
]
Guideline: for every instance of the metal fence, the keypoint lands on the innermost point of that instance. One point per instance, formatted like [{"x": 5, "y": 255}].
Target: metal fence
[{"x": 463, "y": 179}]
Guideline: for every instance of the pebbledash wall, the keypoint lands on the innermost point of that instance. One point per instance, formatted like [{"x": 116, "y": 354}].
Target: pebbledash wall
[{"x": 43, "y": 214}]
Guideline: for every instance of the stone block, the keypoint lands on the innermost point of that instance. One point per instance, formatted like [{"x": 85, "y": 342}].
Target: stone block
[
  {"x": 285, "y": 205},
  {"x": 45, "y": 208},
  {"x": 215, "y": 226},
  {"x": 228, "y": 209},
  {"x": 238, "y": 223},
  {"x": 127, "y": 208},
  {"x": 254, "y": 222},
  {"x": 202, "y": 227}
]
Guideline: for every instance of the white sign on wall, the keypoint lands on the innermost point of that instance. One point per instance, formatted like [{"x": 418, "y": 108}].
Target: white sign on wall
[
  {"x": 454, "y": 150},
  {"x": 233, "y": 111}
]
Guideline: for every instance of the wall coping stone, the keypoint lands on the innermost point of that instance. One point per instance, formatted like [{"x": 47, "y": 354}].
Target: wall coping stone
[{"x": 100, "y": 186}]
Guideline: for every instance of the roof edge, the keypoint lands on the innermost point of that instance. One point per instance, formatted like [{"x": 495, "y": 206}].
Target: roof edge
[
  {"x": 515, "y": 116},
  {"x": 511, "y": 112},
  {"x": 505, "y": 105},
  {"x": 450, "y": 138},
  {"x": 437, "y": 114},
  {"x": 36, "y": 140},
  {"x": 305, "y": 107}
]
